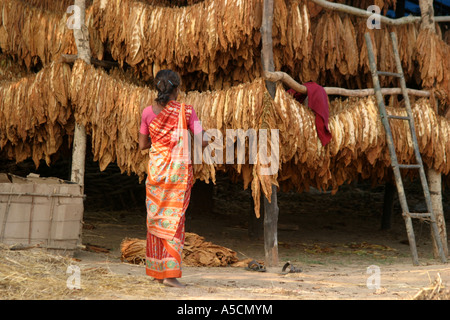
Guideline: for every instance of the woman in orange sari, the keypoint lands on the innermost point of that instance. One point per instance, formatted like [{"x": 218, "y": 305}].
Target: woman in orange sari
[{"x": 170, "y": 177}]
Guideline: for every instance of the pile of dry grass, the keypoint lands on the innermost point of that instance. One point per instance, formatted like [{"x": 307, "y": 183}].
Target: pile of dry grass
[
  {"x": 39, "y": 275},
  {"x": 32, "y": 274},
  {"x": 436, "y": 291}
]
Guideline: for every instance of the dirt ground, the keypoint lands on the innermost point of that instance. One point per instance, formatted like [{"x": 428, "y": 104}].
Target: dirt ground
[{"x": 333, "y": 239}]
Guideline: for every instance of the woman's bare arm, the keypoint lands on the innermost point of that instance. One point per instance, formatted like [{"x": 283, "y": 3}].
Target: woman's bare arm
[{"x": 144, "y": 142}]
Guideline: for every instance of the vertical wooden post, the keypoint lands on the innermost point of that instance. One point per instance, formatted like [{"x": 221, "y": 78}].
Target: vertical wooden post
[
  {"x": 435, "y": 182},
  {"x": 434, "y": 177},
  {"x": 81, "y": 36},
  {"x": 267, "y": 45},
  {"x": 270, "y": 208},
  {"x": 270, "y": 229},
  {"x": 427, "y": 14}
]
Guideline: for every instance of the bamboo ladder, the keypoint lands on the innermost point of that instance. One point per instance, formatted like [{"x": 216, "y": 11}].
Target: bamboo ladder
[{"x": 407, "y": 215}]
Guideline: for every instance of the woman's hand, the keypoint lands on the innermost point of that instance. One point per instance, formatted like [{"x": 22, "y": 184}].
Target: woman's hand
[{"x": 144, "y": 142}]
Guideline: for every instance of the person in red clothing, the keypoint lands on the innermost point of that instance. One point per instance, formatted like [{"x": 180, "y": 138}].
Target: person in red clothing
[{"x": 170, "y": 177}]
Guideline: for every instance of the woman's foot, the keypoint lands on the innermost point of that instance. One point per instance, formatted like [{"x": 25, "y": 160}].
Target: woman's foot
[{"x": 173, "y": 282}]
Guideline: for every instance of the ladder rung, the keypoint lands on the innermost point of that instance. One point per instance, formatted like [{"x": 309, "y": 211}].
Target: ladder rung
[
  {"x": 398, "y": 117},
  {"x": 418, "y": 215},
  {"x": 389, "y": 74},
  {"x": 409, "y": 166}
]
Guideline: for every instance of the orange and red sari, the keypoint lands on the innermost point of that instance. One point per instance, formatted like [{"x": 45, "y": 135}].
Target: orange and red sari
[{"x": 168, "y": 190}]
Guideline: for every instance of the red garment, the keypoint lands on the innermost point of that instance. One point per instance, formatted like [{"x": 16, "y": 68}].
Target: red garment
[
  {"x": 168, "y": 190},
  {"x": 317, "y": 102}
]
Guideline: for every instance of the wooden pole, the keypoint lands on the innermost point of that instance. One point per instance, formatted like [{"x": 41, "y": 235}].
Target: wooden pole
[
  {"x": 427, "y": 15},
  {"x": 435, "y": 182},
  {"x": 290, "y": 82},
  {"x": 270, "y": 207},
  {"x": 81, "y": 36},
  {"x": 367, "y": 14},
  {"x": 434, "y": 177},
  {"x": 267, "y": 45}
]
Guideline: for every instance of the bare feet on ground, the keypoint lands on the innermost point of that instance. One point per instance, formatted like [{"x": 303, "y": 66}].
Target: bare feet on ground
[{"x": 171, "y": 282}]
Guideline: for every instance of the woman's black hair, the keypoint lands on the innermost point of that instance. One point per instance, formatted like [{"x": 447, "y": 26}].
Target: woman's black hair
[{"x": 166, "y": 82}]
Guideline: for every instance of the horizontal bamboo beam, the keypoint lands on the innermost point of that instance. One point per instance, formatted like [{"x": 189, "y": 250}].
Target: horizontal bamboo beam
[
  {"x": 287, "y": 80},
  {"x": 366, "y": 14}
]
